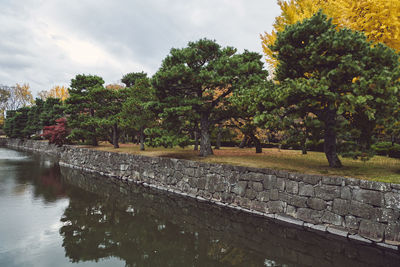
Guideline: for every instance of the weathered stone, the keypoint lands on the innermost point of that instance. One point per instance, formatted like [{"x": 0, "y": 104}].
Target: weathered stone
[
  {"x": 311, "y": 179},
  {"x": 258, "y": 206},
  {"x": 290, "y": 210},
  {"x": 309, "y": 215},
  {"x": 306, "y": 190},
  {"x": 332, "y": 218},
  {"x": 361, "y": 210},
  {"x": 352, "y": 181},
  {"x": 294, "y": 200},
  {"x": 392, "y": 233},
  {"x": 263, "y": 196},
  {"x": 289, "y": 220},
  {"x": 276, "y": 206},
  {"x": 345, "y": 193},
  {"x": 189, "y": 171},
  {"x": 369, "y": 197},
  {"x": 395, "y": 186},
  {"x": 201, "y": 183},
  {"x": 269, "y": 181},
  {"x": 292, "y": 187},
  {"x": 256, "y": 177},
  {"x": 392, "y": 200},
  {"x": 280, "y": 184},
  {"x": 240, "y": 188},
  {"x": 274, "y": 194},
  {"x": 337, "y": 232},
  {"x": 258, "y": 187},
  {"x": 327, "y": 192},
  {"x": 332, "y": 180},
  {"x": 316, "y": 203},
  {"x": 351, "y": 222},
  {"x": 294, "y": 176},
  {"x": 250, "y": 194},
  {"x": 372, "y": 185},
  {"x": 372, "y": 230},
  {"x": 340, "y": 206},
  {"x": 387, "y": 215}
]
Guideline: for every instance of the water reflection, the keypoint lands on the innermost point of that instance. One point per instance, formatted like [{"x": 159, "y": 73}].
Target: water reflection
[
  {"x": 146, "y": 228},
  {"x": 55, "y": 216}
]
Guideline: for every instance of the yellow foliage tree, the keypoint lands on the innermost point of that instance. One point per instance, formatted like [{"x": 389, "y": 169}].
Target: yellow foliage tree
[
  {"x": 57, "y": 91},
  {"x": 378, "y": 19}
]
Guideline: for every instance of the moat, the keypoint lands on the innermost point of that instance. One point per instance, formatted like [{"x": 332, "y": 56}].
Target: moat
[{"x": 56, "y": 216}]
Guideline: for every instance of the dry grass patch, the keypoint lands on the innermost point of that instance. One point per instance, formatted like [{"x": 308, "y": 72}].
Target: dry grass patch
[{"x": 377, "y": 169}]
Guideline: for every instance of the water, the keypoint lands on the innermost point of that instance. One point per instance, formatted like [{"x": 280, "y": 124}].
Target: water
[{"x": 56, "y": 216}]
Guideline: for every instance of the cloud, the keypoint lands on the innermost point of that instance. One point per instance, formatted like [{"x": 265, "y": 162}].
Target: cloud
[{"x": 46, "y": 43}]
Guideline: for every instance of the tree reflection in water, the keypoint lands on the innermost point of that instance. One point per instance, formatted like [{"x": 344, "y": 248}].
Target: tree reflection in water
[{"x": 147, "y": 228}]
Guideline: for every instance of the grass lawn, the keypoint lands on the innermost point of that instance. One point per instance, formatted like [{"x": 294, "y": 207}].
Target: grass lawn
[{"x": 377, "y": 169}]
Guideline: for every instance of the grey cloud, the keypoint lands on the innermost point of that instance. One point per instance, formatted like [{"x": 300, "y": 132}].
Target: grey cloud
[{"x": 139, "y": 34}]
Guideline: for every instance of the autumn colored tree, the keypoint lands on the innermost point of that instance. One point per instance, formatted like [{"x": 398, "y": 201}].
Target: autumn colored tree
[
  {"x": 336, "y": 74},
  {"x": 56, "y": 134},
  {"x": 60, "y": 92},
  {"x": 379, "y": 20}
]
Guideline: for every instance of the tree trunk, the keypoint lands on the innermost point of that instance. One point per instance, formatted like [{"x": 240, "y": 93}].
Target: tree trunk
[
  {"x": 256, "y": 142},
  {"x": 303, "y": 146},
  {"x": 115, "y": 135},
  {"x": 196, "y": 140},
  {"x": 330, "y": 140},
  {"x": 243, "y": 142},
  {"x": 219, "y": 135},
  {"x": 142, "y": 139},
  {"x": 205, "y": 141}
]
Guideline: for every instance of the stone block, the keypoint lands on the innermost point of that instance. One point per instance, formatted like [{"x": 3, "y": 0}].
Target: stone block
[
  {"x": 312, "y": 179},
  {"x": 387, "y": 215},
  {"x": 332, "y": 218},
  {"x": 372, "y": 185},
  {"x": 257, "y": 186},
  {"x": 345, "y": 193},
  {"x": 280, "y": 184},
  {"x": 292, "y": 187},
  {"x": 392, "y": 200},
  {"x": 327, "y": 192},
  {"x": 395, "y": 186},
  {"x": 263, "y": 196},
  {"x": 372, "y": 230},
  {"x": 306, "y": 190},
  {"x": 258, "y": 206},
  {"x": 290, "y": 210},
  {"x": 374, "y": 198},
  {"x": 274, "y": 194},
  {"x": 309, "y": 215},
  {"x": 250, "y": 194},
  {"x": 333, "y": 180},
  {"x": 256, "y": 177},
  {"x": 269, "y": 181},
  {"x": 294, "y": 200},
  {"x": 201, "y": 183},
  {"x": 351, "y": 222},
  {"x": 362, "y": 210},
  {"x": 276, "y": 206},
  {"x": 239, "y": 188},
  {"x": 340, "y": 206},
  {"x": 392, "y": 233},
  {"x": 316, "y": 203}
]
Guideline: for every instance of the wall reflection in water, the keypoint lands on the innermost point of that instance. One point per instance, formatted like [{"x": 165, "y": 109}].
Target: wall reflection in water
[{"x": 106, "y": 218}]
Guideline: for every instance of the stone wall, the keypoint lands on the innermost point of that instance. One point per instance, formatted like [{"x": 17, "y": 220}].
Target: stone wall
[{"x": 351, "y": 208}]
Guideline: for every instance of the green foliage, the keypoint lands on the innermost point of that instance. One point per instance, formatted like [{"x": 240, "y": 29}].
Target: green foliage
[
  {"x": 130, "y": 79},
  {"x": 336, "y": 75},
  {"x": 382, "y": 148},
  {"x": 81, "y": 107}
]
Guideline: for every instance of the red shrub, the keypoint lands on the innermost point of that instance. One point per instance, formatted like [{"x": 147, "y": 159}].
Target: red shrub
[{"x": 56, "y": 134}]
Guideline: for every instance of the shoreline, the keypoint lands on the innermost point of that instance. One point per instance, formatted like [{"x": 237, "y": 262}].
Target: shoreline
[{"x": 353, "y": 209}]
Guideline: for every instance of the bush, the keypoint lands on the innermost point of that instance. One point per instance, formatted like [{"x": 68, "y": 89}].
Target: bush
[
  {"x": 382, "y": 148},
  {"x": 394, "y": 151},
  {"x": 56, "y": 134}
]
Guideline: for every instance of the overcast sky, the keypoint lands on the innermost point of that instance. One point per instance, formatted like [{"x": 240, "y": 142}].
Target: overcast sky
[{"x": 47, "y": 42}]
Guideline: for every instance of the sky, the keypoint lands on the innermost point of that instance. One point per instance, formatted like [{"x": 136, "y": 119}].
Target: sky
[{"x": 47, "y": 42}]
